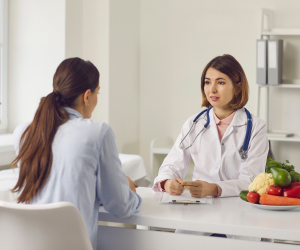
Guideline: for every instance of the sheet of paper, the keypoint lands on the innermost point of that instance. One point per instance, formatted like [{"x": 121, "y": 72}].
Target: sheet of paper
[{"x": 185, "y": 196}]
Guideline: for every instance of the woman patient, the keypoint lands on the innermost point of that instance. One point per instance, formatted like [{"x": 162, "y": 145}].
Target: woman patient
[{"x": 65, "y": 156}]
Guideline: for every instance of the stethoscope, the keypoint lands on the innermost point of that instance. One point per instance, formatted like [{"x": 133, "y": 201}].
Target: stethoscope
[{"x": 244, "y": 150}]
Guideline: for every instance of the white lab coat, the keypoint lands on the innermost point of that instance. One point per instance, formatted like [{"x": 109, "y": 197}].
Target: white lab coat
[{"x": 215, "y": 161}]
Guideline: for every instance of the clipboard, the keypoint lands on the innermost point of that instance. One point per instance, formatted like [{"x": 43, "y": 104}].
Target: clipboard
[
  {"x": 185, "y": 202},
  {"x": 185, "y": 198}
]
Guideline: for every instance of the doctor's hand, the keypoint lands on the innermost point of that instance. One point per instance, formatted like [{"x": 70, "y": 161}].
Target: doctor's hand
[
  {"x": 199, "y": 189},
  {"x": 131, "y": 184},
  {"x": 174, "y": 187}
]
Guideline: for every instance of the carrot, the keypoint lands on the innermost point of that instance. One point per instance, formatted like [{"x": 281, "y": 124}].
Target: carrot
[{"x": 273, "y": 200}]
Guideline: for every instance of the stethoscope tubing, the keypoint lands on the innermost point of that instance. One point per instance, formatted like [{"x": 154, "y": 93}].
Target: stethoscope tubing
[{"x": 244, "y": 149}]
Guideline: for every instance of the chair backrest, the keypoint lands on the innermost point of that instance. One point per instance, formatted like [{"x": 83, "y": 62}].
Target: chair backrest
[{"x": 42, "y": 227}]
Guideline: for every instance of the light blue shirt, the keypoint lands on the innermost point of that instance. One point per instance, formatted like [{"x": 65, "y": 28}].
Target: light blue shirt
[{"x": 86, "y": 171}]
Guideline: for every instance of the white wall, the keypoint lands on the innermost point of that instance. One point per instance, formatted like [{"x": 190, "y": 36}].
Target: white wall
[
  {"x": 178, "y": 38},
  {"x": 36, "y": 41},
  {"x": 74, "y": 28},
  {"x": 96, "y": 49},
  {"x": 124, "y": 55},
  {"x": 111, "y": 41}
]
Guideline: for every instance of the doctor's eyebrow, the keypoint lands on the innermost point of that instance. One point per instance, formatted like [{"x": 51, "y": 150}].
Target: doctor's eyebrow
[{"x": 216, "y": 79}]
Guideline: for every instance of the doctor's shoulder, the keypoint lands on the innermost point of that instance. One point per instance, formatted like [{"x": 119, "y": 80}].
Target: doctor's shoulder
[
  {"x": 188, "y": 123},
  {"x": 258, "y": 124}
]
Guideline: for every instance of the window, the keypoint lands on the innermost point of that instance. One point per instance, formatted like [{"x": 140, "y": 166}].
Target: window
[{"x": 3, "y": 64}]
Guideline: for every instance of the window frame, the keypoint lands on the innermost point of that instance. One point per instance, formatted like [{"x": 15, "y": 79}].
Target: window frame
[{"x": 4, "y": 65}]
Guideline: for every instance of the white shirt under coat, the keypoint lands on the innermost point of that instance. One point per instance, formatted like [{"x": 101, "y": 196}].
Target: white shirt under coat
[{"x": 215, "y": 161}]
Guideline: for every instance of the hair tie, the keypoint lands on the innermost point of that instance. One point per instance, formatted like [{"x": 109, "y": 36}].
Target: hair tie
[{"x": 60, "y": 100}]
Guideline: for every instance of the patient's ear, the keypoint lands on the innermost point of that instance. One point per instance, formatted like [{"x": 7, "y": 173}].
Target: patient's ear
[{"x": 86, "y": 97}]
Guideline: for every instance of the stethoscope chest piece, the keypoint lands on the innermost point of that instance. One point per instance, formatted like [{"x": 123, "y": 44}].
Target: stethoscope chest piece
[{"x": 243, "y": 154}]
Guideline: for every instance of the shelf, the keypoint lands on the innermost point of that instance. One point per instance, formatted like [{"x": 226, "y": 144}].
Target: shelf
[
  {"x": 283, "y": 85},
  {"x": 281, "y": 32},
  {"x": 287, "y": 139}
]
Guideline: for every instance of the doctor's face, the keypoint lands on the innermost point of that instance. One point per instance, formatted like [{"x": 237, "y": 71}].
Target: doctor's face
[{"x": 218, "y": 88}]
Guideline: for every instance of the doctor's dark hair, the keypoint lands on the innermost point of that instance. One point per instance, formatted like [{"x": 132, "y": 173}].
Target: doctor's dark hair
[
  {"x": 229, "y": 66},
  {"x": 72, "y": 78}
]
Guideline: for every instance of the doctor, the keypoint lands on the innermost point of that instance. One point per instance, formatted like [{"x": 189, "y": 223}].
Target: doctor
[{"x": 220, "y": 168}]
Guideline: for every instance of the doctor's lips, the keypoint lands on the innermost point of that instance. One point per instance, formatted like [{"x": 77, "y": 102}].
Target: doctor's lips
[{"x": 214, "y": 98}]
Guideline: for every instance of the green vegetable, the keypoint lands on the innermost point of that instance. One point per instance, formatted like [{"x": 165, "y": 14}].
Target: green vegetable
[
  {"x": 281, "y": 177},
  {"x": 243, "y": 195},
  {"x": 295, "y": 176},
  {"x": 290, "y": 168}
]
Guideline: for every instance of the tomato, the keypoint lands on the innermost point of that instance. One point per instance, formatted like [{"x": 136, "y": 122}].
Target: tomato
[
  {"x": 292, "y": 192},
  {"x": 253, "y": 197},
  {"x": 274, "y": 190},
  {"x": 293, "y": 184}
]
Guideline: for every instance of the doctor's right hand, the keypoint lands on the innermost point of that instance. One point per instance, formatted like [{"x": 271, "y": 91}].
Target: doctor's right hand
[{"x": 174, "y": 187}]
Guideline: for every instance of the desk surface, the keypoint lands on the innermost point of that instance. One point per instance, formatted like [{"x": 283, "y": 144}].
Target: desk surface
[{"x": 226, "y": 215}]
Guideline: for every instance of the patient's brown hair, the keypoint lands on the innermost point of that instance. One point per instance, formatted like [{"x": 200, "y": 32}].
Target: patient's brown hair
[
  {"x": 229, "y": 66},
  {"x": 73, "y": 77}
]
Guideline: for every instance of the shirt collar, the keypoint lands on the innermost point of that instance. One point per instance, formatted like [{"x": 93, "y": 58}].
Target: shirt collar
[
  {"x": 73, "y": 113},
  {"x": 239, "y": 119},
  {"x": 226, "y": 120}
]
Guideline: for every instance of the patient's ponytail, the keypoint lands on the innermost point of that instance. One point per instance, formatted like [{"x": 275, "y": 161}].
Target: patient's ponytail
[{"x": 73, "y": 77}]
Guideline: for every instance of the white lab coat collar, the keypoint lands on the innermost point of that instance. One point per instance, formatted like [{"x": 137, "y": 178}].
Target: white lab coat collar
[
  {"x": 239, "y": 119},
  {"x": 73, "y": 113}
]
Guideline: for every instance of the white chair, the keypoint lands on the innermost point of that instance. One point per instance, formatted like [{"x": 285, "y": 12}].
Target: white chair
[{"x": 42, "y": 227}]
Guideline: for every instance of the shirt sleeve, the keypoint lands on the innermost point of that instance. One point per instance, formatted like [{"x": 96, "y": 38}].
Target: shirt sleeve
[
  {"x": 112, "y": 185},
  {"x": 254, "y": 165},
  {"x": 158, "y": 184},
  {"x": 177, "y": 162}
]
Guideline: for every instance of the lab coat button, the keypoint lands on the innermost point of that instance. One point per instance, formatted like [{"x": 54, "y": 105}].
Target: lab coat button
[{"x": 222, "y": 144}]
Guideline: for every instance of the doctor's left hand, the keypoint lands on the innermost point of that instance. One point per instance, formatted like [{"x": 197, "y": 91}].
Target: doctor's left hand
[{"x": 199, "y": 189}]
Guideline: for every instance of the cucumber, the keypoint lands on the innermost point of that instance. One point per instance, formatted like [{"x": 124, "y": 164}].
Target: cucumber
[{"x": 243, "y": 195}]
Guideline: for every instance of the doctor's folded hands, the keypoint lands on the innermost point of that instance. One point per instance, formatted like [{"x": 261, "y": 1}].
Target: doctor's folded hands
[{"x": 227, "y": 143}]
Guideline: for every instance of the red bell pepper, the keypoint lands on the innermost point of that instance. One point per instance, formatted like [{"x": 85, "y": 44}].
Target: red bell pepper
[
  {"x": 293, "y": 184},
  {"x": 292, "y": 192}
]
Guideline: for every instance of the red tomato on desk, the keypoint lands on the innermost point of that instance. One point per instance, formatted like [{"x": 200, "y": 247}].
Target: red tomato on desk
[
  {"x": 253, "y": 197},
  {"x": 274, "y": 190}
]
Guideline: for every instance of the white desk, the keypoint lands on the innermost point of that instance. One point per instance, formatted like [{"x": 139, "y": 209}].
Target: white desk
[{"x": 225, "y": 216}]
